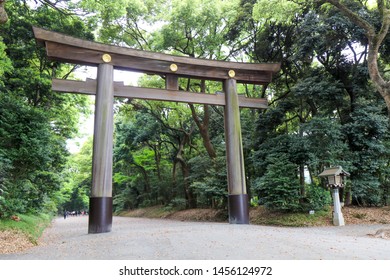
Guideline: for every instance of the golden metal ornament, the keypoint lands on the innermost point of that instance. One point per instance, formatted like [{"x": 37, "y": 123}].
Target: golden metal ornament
[
  {"x": 106, "y": 58},
  {"x": 232, "y": 74},
  {"x": 173, "y": 67}
]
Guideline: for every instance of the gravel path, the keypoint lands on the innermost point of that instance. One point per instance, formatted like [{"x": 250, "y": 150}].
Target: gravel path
[{"x": 149, "y": 239}]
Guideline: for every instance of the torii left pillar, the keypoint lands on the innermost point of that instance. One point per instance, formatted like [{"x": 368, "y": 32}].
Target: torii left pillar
[
  {"x": 238, "y": 198},
  {"x": 100, "y": 205}
]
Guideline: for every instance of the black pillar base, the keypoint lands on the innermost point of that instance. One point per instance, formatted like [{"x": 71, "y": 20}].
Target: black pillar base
[
  {"x": 100, "y": 214},
  {"x": 238, "y": 209}
]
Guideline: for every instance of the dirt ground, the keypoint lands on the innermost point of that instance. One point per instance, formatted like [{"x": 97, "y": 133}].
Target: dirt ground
[
  {"x": 356, "y": 215},
  {"x": 13, "y": 242},
  {"x": 352, "y": 215}
]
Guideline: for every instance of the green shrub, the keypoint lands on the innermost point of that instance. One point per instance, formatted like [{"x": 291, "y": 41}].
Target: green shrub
[
  {"x": 317, "y": 198},
  {"x": 279, "y": 188},
  {"x": 177, "y": 204}
]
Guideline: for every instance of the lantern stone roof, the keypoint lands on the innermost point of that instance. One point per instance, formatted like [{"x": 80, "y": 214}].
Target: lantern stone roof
[{"x": 334, "y": 171}]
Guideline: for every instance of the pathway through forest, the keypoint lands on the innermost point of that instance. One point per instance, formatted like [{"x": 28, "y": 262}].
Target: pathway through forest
[{"x": 150, "y": 239}]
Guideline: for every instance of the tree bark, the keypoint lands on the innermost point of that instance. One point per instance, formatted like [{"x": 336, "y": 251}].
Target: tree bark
[
  {"x": 204, "y": 130},
  {"x": 348, "y": 198},
  {"x": 3, "y": 13},
  {"x": 179, "y": 159},
  {"x": 157, "y": 157},
  {"x": 147, "y": 188},
  {"x": 204, "y": 127},
  {"x": 302, "y": 180}
]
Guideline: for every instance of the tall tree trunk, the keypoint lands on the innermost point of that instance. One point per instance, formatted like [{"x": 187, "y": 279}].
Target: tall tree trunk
[
  {"x": 348, "y": 198},
  {"x": 302, "y": 190},
  {"x": 204, "y": 126},
  {"x": 3, "y": 13},
  {"x": 157, "y": 158},
  {"x": 302, "y": 180},
  {"x": 204, "y": 129},
  {"x": 179, "y": 159},
  {"x": 190, "y": 196},
  {"x": 146, "y": 178}
]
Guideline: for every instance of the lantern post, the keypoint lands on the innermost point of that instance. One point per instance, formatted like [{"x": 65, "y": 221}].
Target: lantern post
[{"x": 335, "y": 181}]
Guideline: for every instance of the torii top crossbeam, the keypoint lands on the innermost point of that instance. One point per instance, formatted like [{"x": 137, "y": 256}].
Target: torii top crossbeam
[{"x": 74, "y": 50}]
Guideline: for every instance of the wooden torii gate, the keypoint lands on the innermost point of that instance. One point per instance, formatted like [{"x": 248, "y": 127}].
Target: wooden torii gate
[{"x": 64, "y": 48}]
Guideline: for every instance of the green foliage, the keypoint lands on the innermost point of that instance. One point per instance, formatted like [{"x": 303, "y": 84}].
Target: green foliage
[
  {"x": 209, "y": 181},
  {"x": 29, "y": 157},
  {"x": 34, "y": 122},
  {"x": 325, "y": 142},
  {"x": 278, "y": 189},
  {"x": 122, "y": 21},
  {"x": 276, "y": 10},
  {"x": 196, "y": 28},
  {"x": 366, "y": 191},
  {"x": 176, "y": 204},
  {"x": 74, "y": 195},
  {"x": 323, "y": 112},
  {"x": 141, "y": 168},
  {"x": 319, "y": 218},
  {"x": 366, "y": 134},
  {"x": 322, "y": 109},
  {"x": 316, "y": 198},
  {"x": 5, "y": 62},
  {"x": 126, "y": 199}
]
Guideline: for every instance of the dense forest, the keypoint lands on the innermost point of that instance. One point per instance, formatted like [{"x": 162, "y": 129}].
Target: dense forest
[{"x": 328, "y": 106}]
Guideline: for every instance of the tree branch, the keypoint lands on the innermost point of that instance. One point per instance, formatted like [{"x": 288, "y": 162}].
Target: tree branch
[
  {"x": 385, "y": 23},
  {"x": 355, "y": 18},
  {"x": 374, "y": 40}
]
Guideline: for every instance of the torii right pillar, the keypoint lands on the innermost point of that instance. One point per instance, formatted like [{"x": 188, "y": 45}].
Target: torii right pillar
[{"x": 238, "y": 198}]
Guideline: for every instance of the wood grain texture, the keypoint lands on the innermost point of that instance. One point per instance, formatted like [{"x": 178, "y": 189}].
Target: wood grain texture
[
  {"x": 74, "y": 50},
  {"x": 120, "y": 90},
  {"x": 103, "y": 133},
  {"x": 233, "y": 139}
]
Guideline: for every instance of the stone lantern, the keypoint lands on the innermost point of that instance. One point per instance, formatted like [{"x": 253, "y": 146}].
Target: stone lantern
[{"x": 335, "y": 177}]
